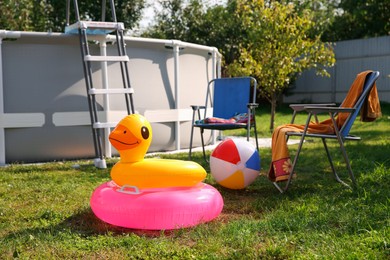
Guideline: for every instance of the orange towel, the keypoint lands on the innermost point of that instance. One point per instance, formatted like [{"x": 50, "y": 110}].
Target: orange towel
[{"x": 281, "y": 163}]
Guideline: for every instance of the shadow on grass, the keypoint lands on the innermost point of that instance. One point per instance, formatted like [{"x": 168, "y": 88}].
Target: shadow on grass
[
  {"x": 83, "y": 224},
  {"x": 87, "y": 224}
]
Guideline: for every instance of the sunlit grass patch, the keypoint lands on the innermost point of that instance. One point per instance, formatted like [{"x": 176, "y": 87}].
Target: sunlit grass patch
[{"x": 45, "y": 211}]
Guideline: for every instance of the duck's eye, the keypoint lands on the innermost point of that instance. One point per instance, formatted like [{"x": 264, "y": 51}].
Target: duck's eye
[
  {"x": 145, "y": 132},
  {"x": 125, "y": 132}
]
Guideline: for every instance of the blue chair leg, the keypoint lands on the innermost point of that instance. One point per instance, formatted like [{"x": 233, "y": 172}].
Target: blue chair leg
[{"x": 204, "y": 151}]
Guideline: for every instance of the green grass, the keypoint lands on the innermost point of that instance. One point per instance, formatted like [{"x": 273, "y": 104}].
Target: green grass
[{"x": 45, "y": 212}]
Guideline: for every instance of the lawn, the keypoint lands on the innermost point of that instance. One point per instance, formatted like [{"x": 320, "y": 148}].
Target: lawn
[{"x": 45, "y": 211}]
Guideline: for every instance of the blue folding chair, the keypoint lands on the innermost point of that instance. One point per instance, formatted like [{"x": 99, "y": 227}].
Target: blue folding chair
[
  {"x": 341, "y": 135},
  {"x": 228, "y": 97}
]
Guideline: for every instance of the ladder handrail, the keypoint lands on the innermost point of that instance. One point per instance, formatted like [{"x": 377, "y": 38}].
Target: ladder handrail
[
  {"x": 113, "y": 13},
  {"x": 67, "y": 12},
  {"x": 84, "y": 28},
  {"x": 103, "y": 10}
]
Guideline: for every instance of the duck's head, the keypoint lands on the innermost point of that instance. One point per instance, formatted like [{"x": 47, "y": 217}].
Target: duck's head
[{"x": 132, "y": 137}]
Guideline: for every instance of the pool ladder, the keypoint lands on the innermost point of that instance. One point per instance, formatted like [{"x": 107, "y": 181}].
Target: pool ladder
[{"x": 88, "y": 28}]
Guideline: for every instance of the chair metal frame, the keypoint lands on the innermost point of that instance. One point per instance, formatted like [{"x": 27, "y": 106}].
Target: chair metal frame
[
  {"x": 241, "y": 84},
  {"x": 341, "y": 135}
]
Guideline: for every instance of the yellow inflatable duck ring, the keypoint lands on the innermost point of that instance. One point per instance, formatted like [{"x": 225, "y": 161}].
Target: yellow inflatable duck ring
[{"x": 132, "y": 137}]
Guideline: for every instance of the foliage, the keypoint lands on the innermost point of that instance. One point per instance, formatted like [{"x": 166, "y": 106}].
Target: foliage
[
  {"x": 170, "y": 21},
  {"x": 227, "y": 31},
  {"x": 342, "y": 19},
  {"x": 50, "y": 15},
  {"x": 323, "y": 12},
  {"x": 195, "y": 22},
  {"x": 360, "y": 19},
  {"x": 45, "y": 212},
  {"x": 24, "y": 15}
]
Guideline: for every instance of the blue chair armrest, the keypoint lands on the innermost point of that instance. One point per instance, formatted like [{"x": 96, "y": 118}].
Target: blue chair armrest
[
  {"x": 301, "y": 107},
  {"x": 194, "y": 107},
  {"x": 317, "y": 109},
  {"x": 252, "y": 105}
]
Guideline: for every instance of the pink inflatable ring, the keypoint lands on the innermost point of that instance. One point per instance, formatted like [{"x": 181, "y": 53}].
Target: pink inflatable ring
[{"x": 156, "y": 209}]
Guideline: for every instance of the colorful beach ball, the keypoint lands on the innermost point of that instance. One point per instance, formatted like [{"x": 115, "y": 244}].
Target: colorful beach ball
[{"x": 235, "y": 163}]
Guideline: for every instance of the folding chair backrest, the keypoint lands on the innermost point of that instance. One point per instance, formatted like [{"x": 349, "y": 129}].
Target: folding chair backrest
[
  {"x": 368, "y": 84},
  {"x": 231, "y": 96}
]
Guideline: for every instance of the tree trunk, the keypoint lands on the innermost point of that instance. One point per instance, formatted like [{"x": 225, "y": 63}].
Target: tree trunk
[{"x": 273, "y": 110}]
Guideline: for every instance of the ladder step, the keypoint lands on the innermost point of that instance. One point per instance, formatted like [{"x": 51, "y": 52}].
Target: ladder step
[
  {"x": 93, "y": 27},
  {"x": 104, "y": 125},
  {"x": 95, "y": 91},
  {"x": 106, "y": 58}
]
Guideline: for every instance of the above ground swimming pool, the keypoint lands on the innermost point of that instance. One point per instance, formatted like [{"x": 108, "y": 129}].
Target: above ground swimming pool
[{"x": 43, "y": 104}]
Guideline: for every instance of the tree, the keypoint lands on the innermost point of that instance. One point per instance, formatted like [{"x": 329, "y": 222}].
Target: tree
[
  {"x": 360, "y": 19},
  {"x": 213, "y": 26},
  {"x": 169, "y": 21},
  {"x": 278, "y": 47},
  {"x": 50, "y": 15},
  {"x": 127, "y": 11},
  {"x": 24, "y": 15},
  {"x": 225, "y": 31}
]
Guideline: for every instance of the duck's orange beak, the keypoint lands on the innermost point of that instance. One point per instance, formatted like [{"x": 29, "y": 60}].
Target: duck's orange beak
[{"x": 122, "y": 138}]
